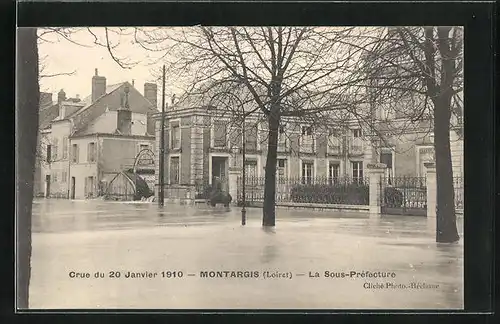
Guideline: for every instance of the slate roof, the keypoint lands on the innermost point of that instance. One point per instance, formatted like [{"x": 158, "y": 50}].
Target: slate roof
[
  {"x": 87, "y": 101},
  {"x": 49, "y": 114}
]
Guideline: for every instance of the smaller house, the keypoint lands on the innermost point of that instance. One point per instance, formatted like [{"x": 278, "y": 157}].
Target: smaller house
[{"x": 84, "y": 144}]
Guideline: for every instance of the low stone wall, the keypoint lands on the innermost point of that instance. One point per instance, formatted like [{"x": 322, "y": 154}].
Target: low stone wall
[
  {"x": 330, "y": 207},
  {"x": 179, "y": 201},
  {"x": 315, "y": 206}
]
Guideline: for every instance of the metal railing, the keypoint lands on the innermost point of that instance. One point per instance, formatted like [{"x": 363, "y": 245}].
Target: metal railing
[
  {"x": 322, "y": 190},
  {"x": 458, "y": 187},
  {"x": 404, "y": 192}
]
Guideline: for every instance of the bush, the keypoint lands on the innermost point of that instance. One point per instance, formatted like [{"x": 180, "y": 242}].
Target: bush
[
  {"x": 347, "y": 194},
  {"x": 220, "y": 197},
  {"x": 343, "y": 194},
  {"x": 393, "y": 197}
]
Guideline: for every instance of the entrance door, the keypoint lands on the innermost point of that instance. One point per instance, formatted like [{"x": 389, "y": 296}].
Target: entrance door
[
  {"x": 219, "y": 167},
  {"x": 73, "y": 181},
  {"x": 47, "y": 186}
]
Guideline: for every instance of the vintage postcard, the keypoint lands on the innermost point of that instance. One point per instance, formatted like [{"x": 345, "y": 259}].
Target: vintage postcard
[{"x": 243, "y": 168}]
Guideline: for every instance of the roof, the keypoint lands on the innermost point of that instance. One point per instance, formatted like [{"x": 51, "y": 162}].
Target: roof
[
  {"x": 47, "y": 114},
  {"x": 87, "y": 101},
  {"x": 89, "y": 111}
]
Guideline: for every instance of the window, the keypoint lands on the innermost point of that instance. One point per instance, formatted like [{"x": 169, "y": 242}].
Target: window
[
  {"x": 89, "y": 187},
  {"x": 357, "y": 142},
  {"x": 333, "y": 172},
  {"x": 307, "y": 172},
  {"x": 334, "y": 141},
  {"x": 174, "y": 170},
  {"x": 54, "y": 177},
  {"x": 74, "y": 153},
  {"x": 175, "y": 136},
  {"x": 65, "y": 148},
  {"x": 307, "y": 142},
  {"x": 281, "y": 169},
  {"x": 357, "y": 171},
  {"x": 91, "y": 152},
  {"x": 64, "y": 177},
  {"x": 251, "y": 137},
  {"x": 54, "y": 149},
  {"x": 49, "y": 153},
  {"x": 282, "y": 138},
  {"x": 306, "y": 131},
  {"x": 220, "y": 133},
  {"x": 251, "y": 169}
]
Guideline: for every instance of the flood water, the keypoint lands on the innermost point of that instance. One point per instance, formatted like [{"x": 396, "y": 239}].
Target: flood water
[{"x": 163, "y": 258}]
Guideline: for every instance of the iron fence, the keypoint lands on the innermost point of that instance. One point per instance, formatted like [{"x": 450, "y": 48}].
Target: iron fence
[
  {"x": 458, "y": 187},
  {"x": 323, "y": 190},
  {"x": 405, "y": 193}
]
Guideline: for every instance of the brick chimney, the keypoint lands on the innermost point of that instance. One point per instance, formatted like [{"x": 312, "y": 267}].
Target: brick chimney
[
  {"x": 151, "y": 93},
  {"x": 61, "y": 96},
  {"x": 124, "y": 119},
  {"x": 98, "y": 86}
]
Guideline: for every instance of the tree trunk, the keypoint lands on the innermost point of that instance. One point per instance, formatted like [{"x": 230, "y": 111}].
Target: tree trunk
[
  {"x": 28, "y": 95},
  {"x": 269, "y": 208},
  {"x": 446, "y": 229}
]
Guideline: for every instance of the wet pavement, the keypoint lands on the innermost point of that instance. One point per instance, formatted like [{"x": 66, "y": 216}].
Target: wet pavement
[{"x": 173, "y": 252}]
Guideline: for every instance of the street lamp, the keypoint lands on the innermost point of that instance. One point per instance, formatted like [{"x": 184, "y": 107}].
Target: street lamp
[{"x": 243, "y": 180}]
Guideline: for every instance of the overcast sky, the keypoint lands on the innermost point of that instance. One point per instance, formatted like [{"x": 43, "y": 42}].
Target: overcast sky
[{"x": 62, "y": 56}]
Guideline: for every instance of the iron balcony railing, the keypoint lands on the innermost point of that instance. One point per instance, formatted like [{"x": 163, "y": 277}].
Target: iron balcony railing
[
  {"x": 307, "y": 144},
  {"x": 356, "y": 146}
]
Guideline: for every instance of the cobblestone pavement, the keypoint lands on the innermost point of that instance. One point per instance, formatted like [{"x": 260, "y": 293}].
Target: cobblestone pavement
[{"x": 165, "y": 259}]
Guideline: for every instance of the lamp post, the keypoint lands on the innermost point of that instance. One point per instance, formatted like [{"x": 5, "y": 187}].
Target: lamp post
[
  {"x": 161, "y": 173},
  {"x": 243, "y": 115}
]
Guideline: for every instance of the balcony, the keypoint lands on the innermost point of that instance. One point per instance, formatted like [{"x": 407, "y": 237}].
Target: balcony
[
  {"x": 306, "y": 144},
  {"x": 356, "y": 146},
  {"x": 334, "y": 149},
  {"x": 334, "y": 145},
  {"x": 283, "y": 145}
]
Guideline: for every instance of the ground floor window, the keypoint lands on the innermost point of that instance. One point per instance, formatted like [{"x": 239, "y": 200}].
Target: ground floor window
[
  {"x": 357, "y": 171},
  {"x": 174, "y": 170},
  {"x": 333, "y": 172},
  {"x": 89, "y": 186},
  {"x": 281, "y": 170},
  {"x": 307, "y": 172},
  {"x": 250, "y": 168}
]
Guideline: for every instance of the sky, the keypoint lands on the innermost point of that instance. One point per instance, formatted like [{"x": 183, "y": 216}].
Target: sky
[{"x": 60, "y": 55}]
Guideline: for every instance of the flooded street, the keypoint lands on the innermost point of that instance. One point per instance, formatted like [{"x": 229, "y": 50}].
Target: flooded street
[{"x": 192, "y": 257}]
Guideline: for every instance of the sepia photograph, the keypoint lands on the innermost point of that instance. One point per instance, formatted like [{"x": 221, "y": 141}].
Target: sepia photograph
[{"x": 260, "y": 167}]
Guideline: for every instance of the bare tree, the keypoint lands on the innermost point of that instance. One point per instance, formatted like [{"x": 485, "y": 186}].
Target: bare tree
[
  {"x": 286, "y": 70},
  {"x": 28, "y": 94},
  {"x": 416, "y": 72}
]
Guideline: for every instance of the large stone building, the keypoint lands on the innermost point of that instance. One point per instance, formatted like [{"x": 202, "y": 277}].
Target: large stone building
[
  {"x": 84, "y": 144},
  {"x": 202, "y": 143}
]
